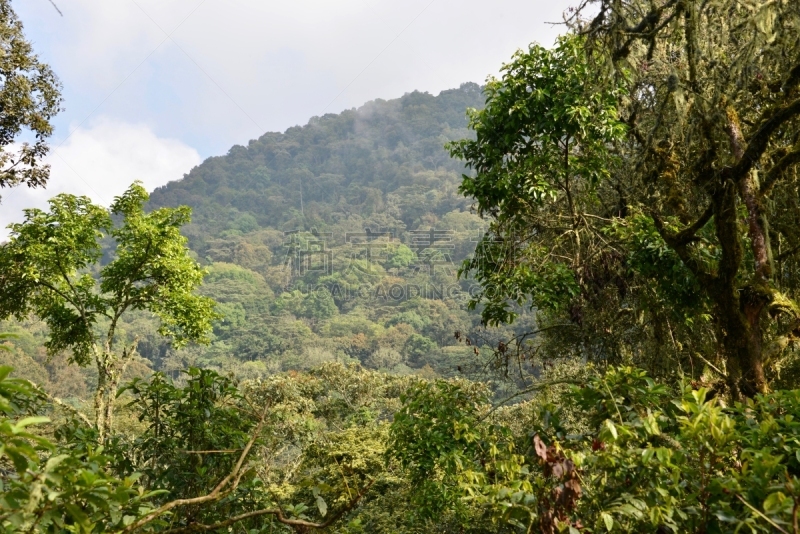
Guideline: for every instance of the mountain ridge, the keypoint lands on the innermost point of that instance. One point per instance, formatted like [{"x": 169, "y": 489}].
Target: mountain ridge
[{"x": 356, "y": 158}]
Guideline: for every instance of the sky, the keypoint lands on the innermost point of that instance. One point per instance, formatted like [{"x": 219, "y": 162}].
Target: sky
[{"x": 153, "y": 87}]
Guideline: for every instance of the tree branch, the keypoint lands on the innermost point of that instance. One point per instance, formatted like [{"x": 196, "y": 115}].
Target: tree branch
[
  {"x": 761, "y": 515},
  {"x": 680, "y": 247},
  {"x": 686, "y": 235},
  {"x": 76, "y": 295},
  {"x": 55, "y": 400},
  {"x": 647, "y": 28},
  {"x": 58, "y": 292},
  {"x": 55, "y": 6},
  {"x": 123, "y": 296},
  {"x": 756, "y": 227},
  {"x": 225, "y": 487},
  {"x": 774, "y": 174},
  {"x": 531, "y": 389},
  {"x": 734, "y": 131},
  {"x": 278, "y": 513},
  {"x": 758, "y": 143}
]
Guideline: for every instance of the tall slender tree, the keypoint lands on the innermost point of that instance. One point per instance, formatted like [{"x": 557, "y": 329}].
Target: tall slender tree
[{"x": 50, "y": 268}]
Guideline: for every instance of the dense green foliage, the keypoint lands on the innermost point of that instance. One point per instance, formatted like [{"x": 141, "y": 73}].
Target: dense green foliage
[
  {"x": 50, "y": 269},
  {"x": 619, "y": 453},
  {"x": 611, "y": 453},
  {"x": 540, "y": 153},
  {"x": 46, "y": 487},
  {"x": 641, "y": 182},
  {"x": 634, "y": 179}
]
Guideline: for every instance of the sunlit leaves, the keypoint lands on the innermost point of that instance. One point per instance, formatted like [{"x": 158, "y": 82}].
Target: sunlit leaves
[
  {"x": 50, "y": 269},
  {"x": 541, "y": 149}
]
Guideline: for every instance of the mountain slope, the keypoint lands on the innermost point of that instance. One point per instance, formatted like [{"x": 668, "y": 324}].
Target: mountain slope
[
  {"x": 337, "y": 240},
  {"x": 385, "y": 157}
]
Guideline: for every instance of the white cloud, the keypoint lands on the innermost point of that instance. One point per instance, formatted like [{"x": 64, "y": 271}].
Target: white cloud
[
  {"x": 101, "y": 161},
  {"x": 238, "y": 68}
]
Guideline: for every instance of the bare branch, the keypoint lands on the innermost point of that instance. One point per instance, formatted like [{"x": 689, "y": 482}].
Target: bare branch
[
  {"x": 55, "y": 6},
  {"x": 278, "y": 513},
  {"x": 58, "y": 402},
  {"x": 531, "y": 389},
  {"x": 225, "y": 487}
]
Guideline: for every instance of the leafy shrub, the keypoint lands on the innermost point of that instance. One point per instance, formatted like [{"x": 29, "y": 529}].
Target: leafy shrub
[
  {"x": 639, "y": 457},
  {"x": 48, "y": 488}
]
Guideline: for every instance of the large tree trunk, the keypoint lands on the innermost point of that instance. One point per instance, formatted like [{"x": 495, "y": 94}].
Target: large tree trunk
[
  {"x": 739, "y": 311},
  {"x": 109, "y": 374},
  {"x": 741, "y": 343}
]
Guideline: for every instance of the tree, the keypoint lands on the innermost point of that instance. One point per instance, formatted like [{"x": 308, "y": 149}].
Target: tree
[
  {"x": 30, "y": 95},
  {"x": 712, "y": 103},
  {"x": 544, "y": 178},
  {"x": 400, "y": 257},
  {"x": 319, "y": 305},
  {"x": 46, "y": 486},
  {"x": 50, "y": 268},
  {"x": 700, "y": 213},
  {"x": 418, "y": 348}
]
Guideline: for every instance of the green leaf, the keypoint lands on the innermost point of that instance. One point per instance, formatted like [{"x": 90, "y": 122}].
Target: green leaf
[
  {"x": 774, "y": 502},
  {"x": 28, "y": 421},
  {"x": 322, "y": 505},
  {"x": 53, "y": 462},
  {"x": 611, "y": 428},
  {"x": 607, "y": 520}
]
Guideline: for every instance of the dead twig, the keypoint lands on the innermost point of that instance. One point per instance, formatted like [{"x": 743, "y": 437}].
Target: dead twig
[{"x": 55, "y": 6}]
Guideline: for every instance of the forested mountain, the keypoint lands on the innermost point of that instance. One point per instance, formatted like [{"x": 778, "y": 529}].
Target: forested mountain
[
  {"x": 337, "y": 240},
  {"x": 386, "y": 158},
  {"x": 636, "y": 185}
]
